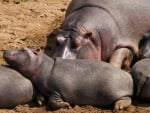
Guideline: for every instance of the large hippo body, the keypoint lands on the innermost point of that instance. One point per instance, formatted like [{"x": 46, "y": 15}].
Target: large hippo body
[
  {"x": 141, "y": 76},
  {"x": 15, "y": 89},
  {"x": 107, "y": 30},
  {"x": 75, "y": 82}
]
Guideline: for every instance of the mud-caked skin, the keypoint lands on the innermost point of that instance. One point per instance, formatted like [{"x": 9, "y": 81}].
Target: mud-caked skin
[
  {"x": 15, "y": 89},
  {"x": 73, "y": 82},
  {"x": 141, "y": 75},
  {"x": 144, "y": 46},
  {"x": 107, "y": 30}
]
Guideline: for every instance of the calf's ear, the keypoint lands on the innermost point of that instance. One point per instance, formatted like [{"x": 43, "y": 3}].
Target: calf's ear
[
  {"x": 88, "y": 35},
  {"x": 36, "y": 51}
]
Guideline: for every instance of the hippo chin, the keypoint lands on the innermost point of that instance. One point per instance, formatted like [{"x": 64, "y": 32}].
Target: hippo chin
[
  {"x": 107, "y": 30},
  {"x": 73, "y": 82}
]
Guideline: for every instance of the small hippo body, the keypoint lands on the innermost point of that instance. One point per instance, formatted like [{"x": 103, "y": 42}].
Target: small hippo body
[
  {"x": 15, "y": 89},
  {"x": 141, "y": 75},
  {"x": 107, "y": 30},
  {"x": 73, "y": 82}
]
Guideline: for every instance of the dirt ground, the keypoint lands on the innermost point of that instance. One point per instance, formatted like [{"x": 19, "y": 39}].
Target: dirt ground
[{"x": 27, "y": 23}]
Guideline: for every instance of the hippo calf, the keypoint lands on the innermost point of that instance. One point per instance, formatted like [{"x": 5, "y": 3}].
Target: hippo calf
[
  {"x": 107, "y": 30},
  {"x": 141, "y": 75},
  {"x": 15, "y": 89},
  {"x": 73, "y": 82}
]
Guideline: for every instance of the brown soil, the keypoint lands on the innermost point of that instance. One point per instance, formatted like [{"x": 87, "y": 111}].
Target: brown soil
[{"x": 27, "y": 23}]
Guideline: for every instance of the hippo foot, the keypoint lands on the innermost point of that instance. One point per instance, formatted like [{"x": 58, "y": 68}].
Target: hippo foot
[
  {"x": 122, "y": 103},
  {"x": 39, "y": 100},
  {"x": 57, "y": 103}
]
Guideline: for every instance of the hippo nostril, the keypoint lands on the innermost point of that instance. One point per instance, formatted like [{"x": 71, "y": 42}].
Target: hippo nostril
[{"x": 13, "y": 55}]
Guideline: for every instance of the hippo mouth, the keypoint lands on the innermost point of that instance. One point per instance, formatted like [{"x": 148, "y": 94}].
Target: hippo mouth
[{"x": 77, "y": 48}]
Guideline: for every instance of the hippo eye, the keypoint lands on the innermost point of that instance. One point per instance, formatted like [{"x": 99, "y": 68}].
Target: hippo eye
[{"x": 13, "y": 55}]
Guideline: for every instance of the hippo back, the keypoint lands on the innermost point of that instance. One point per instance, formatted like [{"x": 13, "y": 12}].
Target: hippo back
[
  {"x": 85, "y": 82},
  {"x": 141, "y": 75}
]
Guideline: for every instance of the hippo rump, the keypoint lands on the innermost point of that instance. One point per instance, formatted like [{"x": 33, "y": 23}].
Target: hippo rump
[
  {"x": 73, "y": 82},
  {"x": 141, "y": 75},
  {"x": 107, "y": 30},
  {"x": 15, "y": 89}
]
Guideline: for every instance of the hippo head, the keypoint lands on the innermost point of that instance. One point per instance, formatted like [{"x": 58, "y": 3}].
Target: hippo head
[
  {"x": 70, "y": 44},
  {"x": 23, "y": 60},
  {"x": 144, "y": 46}
]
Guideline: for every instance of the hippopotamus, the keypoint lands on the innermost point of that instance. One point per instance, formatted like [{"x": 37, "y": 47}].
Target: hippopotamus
[
  {"x": 15, "y": 89},
  {"x": 144, "y": 47},
  {"x": 68, "y": 82},
  {"x": 141, "y": 77},
  {"x": 105, "y": 30}
]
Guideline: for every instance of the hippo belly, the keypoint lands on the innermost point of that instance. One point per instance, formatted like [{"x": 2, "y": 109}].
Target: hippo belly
[{"x": 14, "y": 88}]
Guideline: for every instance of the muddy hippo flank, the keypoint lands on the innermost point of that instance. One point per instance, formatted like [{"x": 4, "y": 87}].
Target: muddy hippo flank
[
  {"x": 73, "y": 82},
  {"x": 15, "y": 89},
  {"x": 141, "y": 75},
  {"x": 107, "y": 30}
]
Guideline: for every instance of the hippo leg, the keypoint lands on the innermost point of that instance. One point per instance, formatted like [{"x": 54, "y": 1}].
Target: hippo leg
[
  {"x": 56, "y": 102},
  {"x": 122, "y": 103},
  {"x": 122, "y": 58}
]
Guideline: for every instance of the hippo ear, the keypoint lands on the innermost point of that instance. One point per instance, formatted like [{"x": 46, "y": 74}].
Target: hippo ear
[
  {"x": 88, "y": 35},
  {"x": 36, "y": 51}
]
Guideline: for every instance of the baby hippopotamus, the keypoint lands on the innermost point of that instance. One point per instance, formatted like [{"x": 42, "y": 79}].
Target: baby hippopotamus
[
  {"x": 15, "y": 89},
  {"x": 73, "y": 82},
  {"x": 141, "y": 75}
]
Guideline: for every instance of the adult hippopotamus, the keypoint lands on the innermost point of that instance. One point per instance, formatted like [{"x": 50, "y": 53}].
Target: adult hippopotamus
[
  {"x": 15, "y": 89},
  {"x": 141, "y": 75},
  {"x": 107, "y": 30},
  {"x": 73, "y": 82}
]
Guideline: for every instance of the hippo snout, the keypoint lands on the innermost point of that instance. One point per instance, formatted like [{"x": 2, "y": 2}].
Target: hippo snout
[
  {"x": 63, "y": 50},
  {"x": 8, "y": 55}
]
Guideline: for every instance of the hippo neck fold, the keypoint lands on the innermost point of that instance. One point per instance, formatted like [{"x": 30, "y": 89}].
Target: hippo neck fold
[
  {"x": 43, "y": 70},
  {"x": 40, "y": 69}
]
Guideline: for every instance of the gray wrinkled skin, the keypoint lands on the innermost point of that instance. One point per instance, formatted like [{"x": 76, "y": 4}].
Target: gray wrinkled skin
[
  {"x": 72, "y": 82},
  {"x": 14, "y": 88},
  {"x": 98, "y": 28},
  {"x": 141, "y": 75}
]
